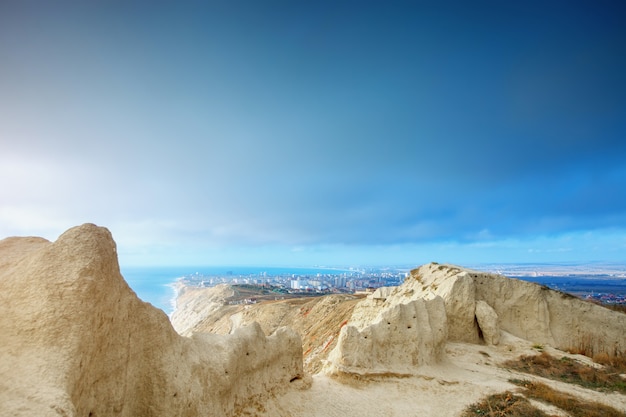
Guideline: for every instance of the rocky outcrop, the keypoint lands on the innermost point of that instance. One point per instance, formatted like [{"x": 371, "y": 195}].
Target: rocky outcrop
[
  {"x": 479, "y": 305},
  {"x": 399, "y": 339},
  {"x": 487, "y": 320},
  {"x": 396, "y": 329},
  {"x": 77, "y": 341}
]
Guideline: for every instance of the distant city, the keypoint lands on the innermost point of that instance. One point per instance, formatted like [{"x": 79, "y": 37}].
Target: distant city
[
  {"x": 297, "y": 283},
  {"x": 602, "y": 283}
]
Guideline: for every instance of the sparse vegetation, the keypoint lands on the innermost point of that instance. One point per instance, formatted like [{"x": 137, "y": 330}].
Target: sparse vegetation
[
  {"x": 616, "y": 307},
  {"x": 617, "y": 363},
  {"x": 506, "y": 404},
  {"x": 572, "y": 405},
  {"x": 512, "y": 404},
  {"x": 572, "y": 371},
  {"x": 589, "y": 347}
]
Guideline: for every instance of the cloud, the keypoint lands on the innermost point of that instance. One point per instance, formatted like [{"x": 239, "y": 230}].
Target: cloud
[{"x": 378, "y": 133}]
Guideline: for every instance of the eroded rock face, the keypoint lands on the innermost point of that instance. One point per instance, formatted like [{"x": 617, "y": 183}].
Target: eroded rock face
[
  {"x": 77, "y": 341},
  {"x": 487, "y": 319},
  {"x": 524, "y": 309},
  {"x": 401, "y": 338},
  {"x": 396, "y": 329}
]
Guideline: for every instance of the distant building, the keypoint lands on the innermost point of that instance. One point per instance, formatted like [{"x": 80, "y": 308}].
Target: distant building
[
  {"x": 297, "y": 284},
  {"x": 340, "y": 281}
]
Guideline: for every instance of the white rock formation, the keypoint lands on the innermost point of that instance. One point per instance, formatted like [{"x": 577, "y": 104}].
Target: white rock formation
[
  {"x": 402, "y": 337},
  {"x": 487, "y": 319},
  {"x": 524, "y": 309},
  {"x": 396, "y": 329},
  {"x": 76, "y": 341}
]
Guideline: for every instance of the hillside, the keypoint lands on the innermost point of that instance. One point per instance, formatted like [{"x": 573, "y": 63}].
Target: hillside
[
  {"x": 433, "y": 362},
  {"x": 76, "y": 341}
]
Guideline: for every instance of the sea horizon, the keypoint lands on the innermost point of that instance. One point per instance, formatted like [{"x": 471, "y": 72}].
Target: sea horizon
[{"x": 156, "y": 284}]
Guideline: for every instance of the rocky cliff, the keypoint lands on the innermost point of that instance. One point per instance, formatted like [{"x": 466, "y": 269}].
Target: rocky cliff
[
  {"x": 480, "y": 305},
  {"x": 76, "y": 341},
  {"x": 398, "y": 328}
]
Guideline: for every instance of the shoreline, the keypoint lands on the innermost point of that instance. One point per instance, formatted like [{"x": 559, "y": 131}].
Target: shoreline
[{"x": 176, "y": 286}]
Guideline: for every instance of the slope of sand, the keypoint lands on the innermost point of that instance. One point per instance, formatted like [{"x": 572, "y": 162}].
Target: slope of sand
[{"x": 469, "y": 373}]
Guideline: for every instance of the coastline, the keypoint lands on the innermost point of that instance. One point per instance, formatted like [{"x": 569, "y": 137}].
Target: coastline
[{"x": 176, "y": 287}]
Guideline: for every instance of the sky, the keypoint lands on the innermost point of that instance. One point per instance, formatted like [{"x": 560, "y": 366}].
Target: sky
[{"x": 293, "y": 133}]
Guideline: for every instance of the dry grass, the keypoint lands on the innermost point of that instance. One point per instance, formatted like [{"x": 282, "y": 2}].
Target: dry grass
[
  {"x": 616, "y": 363},
  {"x": 615, "y": 360},
  {"x": 572, "y": 405},
  {"x": 506, "y": 404},
  {"x": 509, "y": 404},
  {"x": 587, "y": 347},
  {"x": 571, "y": 371}
]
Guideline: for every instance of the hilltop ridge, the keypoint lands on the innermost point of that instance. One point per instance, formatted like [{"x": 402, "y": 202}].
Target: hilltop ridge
[{"x": 77, "y": 341}]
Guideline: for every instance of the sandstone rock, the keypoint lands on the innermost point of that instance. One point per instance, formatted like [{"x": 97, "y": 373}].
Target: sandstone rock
[
  {"x": 77, "y": 341},
  {"x": 458, "y": 292},
  {"x": 526, "y": 310},
  {"x": 487, "y": 319},
  {"x": 401, "y": 337},
  {"x": 477, "y": 306}
]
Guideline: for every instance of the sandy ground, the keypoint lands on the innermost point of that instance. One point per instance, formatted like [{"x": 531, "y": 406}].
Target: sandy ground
[{"x": 469, "y": 373}]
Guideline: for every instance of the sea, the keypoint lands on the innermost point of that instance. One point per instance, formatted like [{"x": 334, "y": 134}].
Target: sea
[{"x": 156, "y": 285}]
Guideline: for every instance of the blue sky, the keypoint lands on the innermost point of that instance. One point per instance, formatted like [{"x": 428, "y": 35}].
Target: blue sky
[{"x": 307, "y": 133}]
